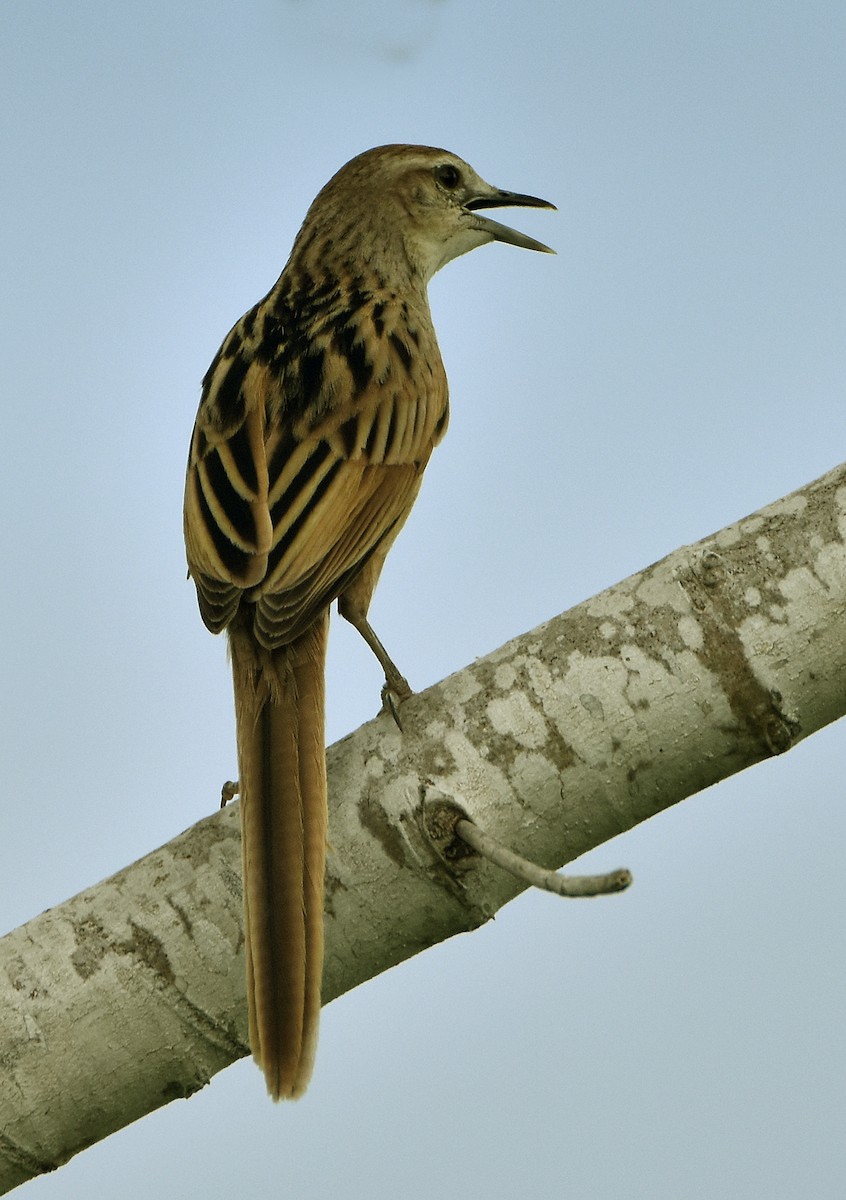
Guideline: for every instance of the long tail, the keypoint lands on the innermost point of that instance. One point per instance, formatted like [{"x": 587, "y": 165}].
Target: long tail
[{"x": 279, "y": 709}]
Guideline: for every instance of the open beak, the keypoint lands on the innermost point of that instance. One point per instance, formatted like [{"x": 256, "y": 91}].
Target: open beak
[{"x": 502, "y": 233}]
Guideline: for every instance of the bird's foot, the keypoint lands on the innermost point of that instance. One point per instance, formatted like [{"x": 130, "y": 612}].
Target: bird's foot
[
  {"x": 395, "y": 691},
  {"x": 229, "y": 791}
]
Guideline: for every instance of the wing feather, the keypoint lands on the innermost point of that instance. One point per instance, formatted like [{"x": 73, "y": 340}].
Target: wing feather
[
  {"x": 283, "y": 513},
  {"x": 367, "y": 505}
]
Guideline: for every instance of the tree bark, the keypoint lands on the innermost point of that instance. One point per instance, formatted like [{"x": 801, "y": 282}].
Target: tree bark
[{"x": 131, "y": 994}]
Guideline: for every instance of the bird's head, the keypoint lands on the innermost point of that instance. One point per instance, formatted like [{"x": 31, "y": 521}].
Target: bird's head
[{"x": 418, "y": 203}]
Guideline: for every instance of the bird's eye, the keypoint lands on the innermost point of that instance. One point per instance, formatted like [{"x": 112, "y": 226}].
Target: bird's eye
[{"x": 448, "y": 176}]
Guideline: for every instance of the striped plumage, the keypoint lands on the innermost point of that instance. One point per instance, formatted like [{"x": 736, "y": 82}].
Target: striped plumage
[{"x": 317, "y": 418}]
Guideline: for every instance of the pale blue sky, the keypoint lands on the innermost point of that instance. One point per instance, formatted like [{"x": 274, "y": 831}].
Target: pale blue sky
[{"x": 681, "y": 362}]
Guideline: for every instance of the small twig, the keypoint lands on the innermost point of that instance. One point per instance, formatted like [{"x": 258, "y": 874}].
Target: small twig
[{"x": 539, "y": 877}]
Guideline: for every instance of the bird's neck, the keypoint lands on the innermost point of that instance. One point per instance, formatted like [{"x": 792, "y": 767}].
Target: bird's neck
[
  {"x": 341, "y": 328},
  {"x": 355, "y": 256},
  {"x": 323, "y": 294}
]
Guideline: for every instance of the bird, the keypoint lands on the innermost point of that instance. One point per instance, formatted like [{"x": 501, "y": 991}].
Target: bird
[{"x": 317, "y": 418}]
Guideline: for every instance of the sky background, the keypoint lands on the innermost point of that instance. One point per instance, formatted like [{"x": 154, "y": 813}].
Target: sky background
[{"x": 680, "y": 363}]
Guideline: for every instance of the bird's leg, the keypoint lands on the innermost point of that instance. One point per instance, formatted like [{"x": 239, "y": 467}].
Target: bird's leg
[
  {"x": 396, "y": 687},
  {"x": 395, "y": 681},
  {"x": 353, "y": 605}
]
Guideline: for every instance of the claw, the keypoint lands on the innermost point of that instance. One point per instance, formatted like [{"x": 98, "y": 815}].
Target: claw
[
  {"x": 391, "y": 702},
  {"x": 228, "y": 792}
]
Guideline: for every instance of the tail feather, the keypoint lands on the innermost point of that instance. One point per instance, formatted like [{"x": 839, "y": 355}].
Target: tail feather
[{"x": 279, "y": 701}]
